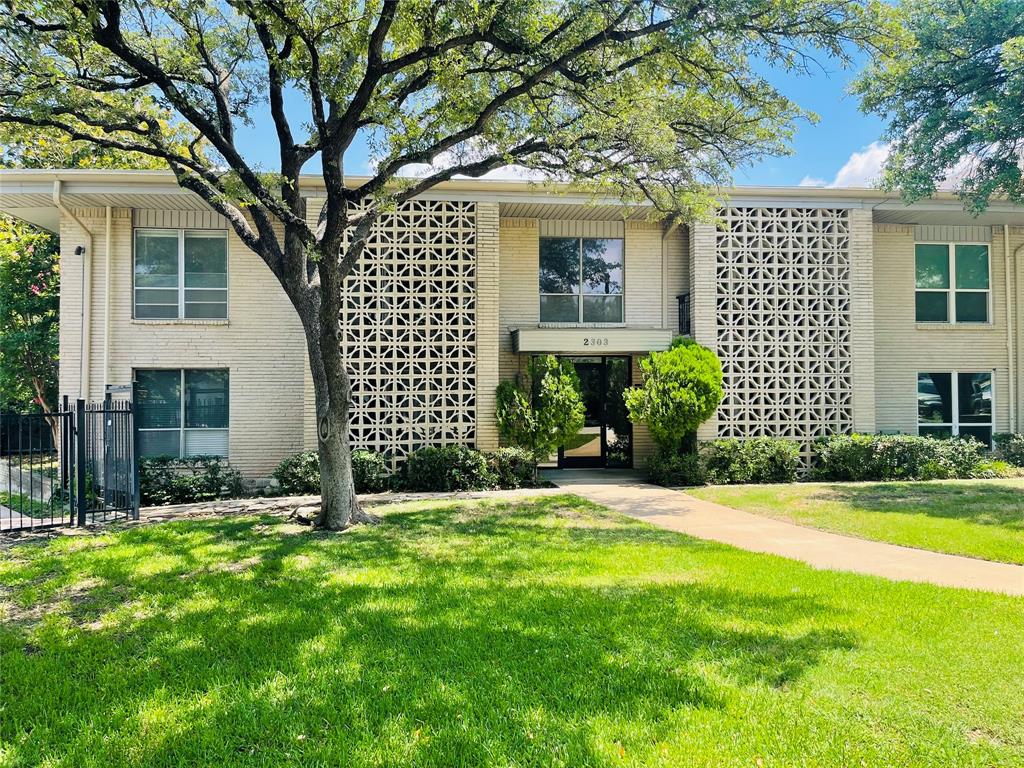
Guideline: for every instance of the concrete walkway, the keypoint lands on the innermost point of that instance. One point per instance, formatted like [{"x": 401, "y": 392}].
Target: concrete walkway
[{"x": 677, "y": 511}]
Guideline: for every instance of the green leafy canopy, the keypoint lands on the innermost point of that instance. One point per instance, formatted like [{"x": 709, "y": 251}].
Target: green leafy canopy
[
  {"x": 954, "y": 100},
  {"x": 656, "y": 99}
]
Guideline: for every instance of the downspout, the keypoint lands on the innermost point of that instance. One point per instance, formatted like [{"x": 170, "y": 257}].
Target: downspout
[
  {"x": 85, "y": 336},
  {"x": 1011, "y": 328},
  {"x": 106, "y": 301}
]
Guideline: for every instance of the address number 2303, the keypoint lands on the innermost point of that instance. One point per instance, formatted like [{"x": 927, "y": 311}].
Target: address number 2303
[{"x": 595, "y": 341}]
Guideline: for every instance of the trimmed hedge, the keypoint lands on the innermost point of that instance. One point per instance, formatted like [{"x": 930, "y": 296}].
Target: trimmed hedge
[
  {"x": 450, "y": 468},
  {"x": 1010, "y": 448},
  {"x": 757, "y": 460},
  {"x": 673, "y": 469},
  {"x": 167, "y": 480},
  {"x": 512, "y": 468},
  {"x": 728, "y": 462},
  {"x": 900, "y": 457},
  {"x": 299, "y": 475}
]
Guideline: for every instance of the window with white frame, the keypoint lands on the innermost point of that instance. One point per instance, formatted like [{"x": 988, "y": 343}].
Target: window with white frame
[
  {"x": 181, "y": 273},
  {"x": 581, "y": 280},
  {"x": 955, "y": 403},
  {"x": 182, "y": 413},
  {"x": 953, "y": 283}
]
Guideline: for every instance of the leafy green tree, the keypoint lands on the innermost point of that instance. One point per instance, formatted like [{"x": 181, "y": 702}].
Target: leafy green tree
[
  {"x": 649, "y": 99},
  {"x": 29, "y": 313},
  {"x": 954, "y": 100},
  {"x": 681, "y": 389},
  {"x": 543, "y": 413}
]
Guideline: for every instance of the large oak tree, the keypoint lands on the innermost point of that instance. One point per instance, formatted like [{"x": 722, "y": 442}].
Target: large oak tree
[
  {"x": 954, "y": 100},
  {"x": 652, "y": 100}
]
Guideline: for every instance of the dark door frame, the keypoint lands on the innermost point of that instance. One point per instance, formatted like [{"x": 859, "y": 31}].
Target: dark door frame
[{"x": 597, "y": 462}]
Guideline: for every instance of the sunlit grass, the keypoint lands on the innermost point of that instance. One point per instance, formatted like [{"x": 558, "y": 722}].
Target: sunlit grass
[
  {"x": 978, "y": 518},
  {"x": 542, "y": 632}
]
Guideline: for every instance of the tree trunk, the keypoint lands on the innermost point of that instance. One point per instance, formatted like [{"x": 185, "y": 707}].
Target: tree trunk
[{"x": 339, "y": 507}]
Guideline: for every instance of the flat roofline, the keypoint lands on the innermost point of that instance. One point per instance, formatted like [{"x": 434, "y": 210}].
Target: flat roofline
[{"x": 85, "y": 181}]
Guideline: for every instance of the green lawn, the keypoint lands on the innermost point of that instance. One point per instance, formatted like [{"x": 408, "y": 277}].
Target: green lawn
[
  {"x": 23, "y": 504},
  {"x": 979, "y": 518},
  {"x": 473, "y": 633}
]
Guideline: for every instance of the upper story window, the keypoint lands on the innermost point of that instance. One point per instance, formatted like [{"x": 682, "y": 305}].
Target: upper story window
[
  {"x": 182, "y": 413},
  {"x": 181, "y": 273},
  {"x": 581, "y": 280},
  {"x": 953, "y": 283}
]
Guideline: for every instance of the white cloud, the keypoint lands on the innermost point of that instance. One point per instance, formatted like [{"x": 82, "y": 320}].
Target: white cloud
[
  {"x": 864, "y": 168},
  {"x": 812, "y": 181}
]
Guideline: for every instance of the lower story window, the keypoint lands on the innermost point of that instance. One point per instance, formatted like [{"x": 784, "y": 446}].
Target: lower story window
[
  {"x": 182, "y": 413},
  {"x": 955, "y": 403}
]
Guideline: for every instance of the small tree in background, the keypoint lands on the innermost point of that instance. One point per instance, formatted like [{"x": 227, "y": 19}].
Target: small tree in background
[
  {"x": 544, "y": 414},
  {"x": 29, "y": 312},
  {"x": 681, "y": 389}
]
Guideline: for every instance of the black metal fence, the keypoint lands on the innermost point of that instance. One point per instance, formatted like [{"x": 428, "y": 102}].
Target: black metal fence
[{"x": 75, "y": 466}]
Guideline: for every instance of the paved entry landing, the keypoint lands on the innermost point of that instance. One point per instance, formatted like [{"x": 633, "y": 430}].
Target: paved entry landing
[{"x": 677, "y": 511}]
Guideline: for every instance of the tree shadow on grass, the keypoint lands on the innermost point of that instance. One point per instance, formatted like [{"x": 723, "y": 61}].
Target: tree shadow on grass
[
  {"x": 982, "y": 503},
  {"x": 465, "y": 634}
]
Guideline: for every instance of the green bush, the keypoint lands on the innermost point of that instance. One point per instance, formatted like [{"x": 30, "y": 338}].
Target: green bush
[
  {"x": 299, "y": 475},
  {"x": 670, "y": 468},
  {"x": 512, "y": 468},
  {"x": 166, "y": 480},
  {"x": 755, "y": 460},
  {"x": 681, "y": 389},
  {"x": 898, "y": 457},
  {"x": 371, "y": 471},
  {"x": 542, "y": 412},
  {"x": 451, "y": 468},
  {"x": 1010, "y": 448}
]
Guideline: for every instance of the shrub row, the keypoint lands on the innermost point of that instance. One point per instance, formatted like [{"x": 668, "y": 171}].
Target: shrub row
[
  {"x": 838, "y": 458},
  {"x": 166, "y": 480},
  {"x": 448, "y": 468},
  {"x": 901, "y": 457},
  {"x": 728, "y": 462}
]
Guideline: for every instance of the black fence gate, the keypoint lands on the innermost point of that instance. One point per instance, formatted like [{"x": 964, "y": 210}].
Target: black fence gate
[{"x": 73, "y": 467}]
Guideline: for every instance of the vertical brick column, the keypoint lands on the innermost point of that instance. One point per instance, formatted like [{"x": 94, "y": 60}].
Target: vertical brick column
[
  {"x": 703, "y": 300},
  {"x": 862, "y": 318},
  {"x": 487, "y": 327}
]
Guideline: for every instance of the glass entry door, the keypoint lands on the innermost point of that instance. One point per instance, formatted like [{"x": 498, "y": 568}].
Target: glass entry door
[{"x": 606, "y": 439}]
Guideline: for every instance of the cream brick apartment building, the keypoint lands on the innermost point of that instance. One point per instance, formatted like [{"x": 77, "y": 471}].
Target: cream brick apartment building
[{"x": 832, "y": 310}]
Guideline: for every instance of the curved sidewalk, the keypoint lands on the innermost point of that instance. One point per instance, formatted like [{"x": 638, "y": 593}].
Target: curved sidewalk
[{"x": 677, "y": 511}]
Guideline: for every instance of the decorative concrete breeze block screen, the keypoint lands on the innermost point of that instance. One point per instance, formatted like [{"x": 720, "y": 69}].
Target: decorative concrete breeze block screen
[
  {"x": 409, "y": 330},
  {"x": 782, "y": 280}
]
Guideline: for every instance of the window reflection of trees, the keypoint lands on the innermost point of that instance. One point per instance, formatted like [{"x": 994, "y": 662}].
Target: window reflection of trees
[{"x": 602, "y": 266}]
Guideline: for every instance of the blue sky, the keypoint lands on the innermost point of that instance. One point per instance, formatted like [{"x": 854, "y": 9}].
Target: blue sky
[{"x": 840, "y": 149}]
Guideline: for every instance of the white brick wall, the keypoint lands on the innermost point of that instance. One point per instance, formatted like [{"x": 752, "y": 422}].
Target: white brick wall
[
  {"x": 261, "y": 342},
  {"x": 903, "y": 348}
]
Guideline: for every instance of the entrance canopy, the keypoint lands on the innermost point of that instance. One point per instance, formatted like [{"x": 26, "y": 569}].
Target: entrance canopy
[{"x": 590, "y": 341}]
